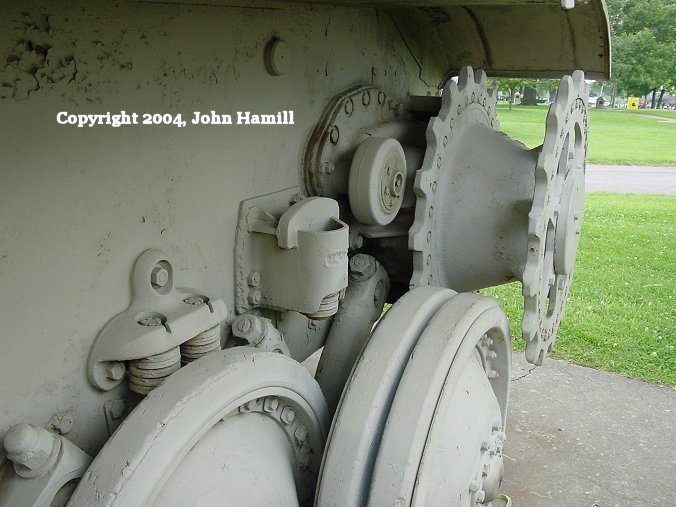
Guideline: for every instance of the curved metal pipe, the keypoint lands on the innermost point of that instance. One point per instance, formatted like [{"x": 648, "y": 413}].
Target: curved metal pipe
[{"x": 359, "y": 310}]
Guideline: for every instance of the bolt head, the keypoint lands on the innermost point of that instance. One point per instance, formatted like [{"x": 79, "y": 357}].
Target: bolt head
[
  {"x": 480, "y": 496},
  {"x": 254, "y": 297},
  {"x": 250, "y": 328},
  {"x": 362, "y": 266},
  {"x": 474, "y": 485},
  {"x": 288, "y": 415},
  {"x": 159, "y": 277},
  {"x": 300, "y": 434},
  {"x": 254, "y": 279},
  {"x": 115, "y": 370}
]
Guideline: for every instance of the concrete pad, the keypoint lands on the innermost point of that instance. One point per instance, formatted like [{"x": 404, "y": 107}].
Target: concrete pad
[
  {"x": 630, "y": 179},
  {"x": 582, "y": 437}
]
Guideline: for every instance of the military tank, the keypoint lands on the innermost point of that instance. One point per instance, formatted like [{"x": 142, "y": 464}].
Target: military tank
[{"x": 198, "y": 196}]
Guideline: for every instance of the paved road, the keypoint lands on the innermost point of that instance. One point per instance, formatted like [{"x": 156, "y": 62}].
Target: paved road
[
  {"x": 579, "y": 437},
  {"x": 630, "y": 179}
]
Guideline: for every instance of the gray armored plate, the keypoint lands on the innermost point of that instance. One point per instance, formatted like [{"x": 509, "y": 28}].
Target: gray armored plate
[
  {"x": 445, "y": 423},
  {"x": 365, "y": 404}
]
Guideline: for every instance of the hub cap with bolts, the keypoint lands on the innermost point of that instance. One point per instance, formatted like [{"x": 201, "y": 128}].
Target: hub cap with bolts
[
  {"x": 376, "y": 184},
  {"x": 239, "y": 426},
  {"x": 448, "y": 412}
]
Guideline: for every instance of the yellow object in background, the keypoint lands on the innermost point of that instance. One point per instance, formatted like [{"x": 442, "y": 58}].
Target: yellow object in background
[{"x": 632, "y": 103}]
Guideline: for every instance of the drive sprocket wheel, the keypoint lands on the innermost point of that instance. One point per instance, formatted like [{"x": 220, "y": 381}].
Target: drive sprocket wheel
[
  {"x": 555, "y": 218},
  {"x": 463, "y": 103}
]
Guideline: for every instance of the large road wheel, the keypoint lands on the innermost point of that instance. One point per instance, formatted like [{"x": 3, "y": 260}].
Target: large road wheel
[
  {"x": 421, "y": 421},
  {"x": 238, "y": 427}
]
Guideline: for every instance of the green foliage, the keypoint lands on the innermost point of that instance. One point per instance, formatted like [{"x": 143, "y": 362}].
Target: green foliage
[
  {"x": 644, "y": 44},
  {"x": 620, "y": 314}
]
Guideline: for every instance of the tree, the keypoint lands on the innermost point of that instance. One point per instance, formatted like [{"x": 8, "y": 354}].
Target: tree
[
  {"x": 644, "y": 45},
  {"x": 511, "y": 86}
]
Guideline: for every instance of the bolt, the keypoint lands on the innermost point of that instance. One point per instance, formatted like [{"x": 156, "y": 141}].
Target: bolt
[
  {"x": 493, "y": 374},
  {"x": 362, "y": 267},
  {"x": 485, "y": 444},
  {"x": 32, "y": 450},
  {"x": 485, "y": 469},
  {"x": 254, "y": 279},
  {"x": 288, "y": 415},
  {"x": 159, "y": 277},
  {"x": 492, "y": 354},
  {"x": 334, "y": 134},
  {"x": 356, "y": 242},
  {"x": 61, "y": 423},
  {"x": 115, "y": 370},
  {"x": 271, "y": 404},
  {"x": 151, "y": 321},
  {"x": 254, "y": 297},
  {"x": 474, "y": 485},
  {"x": 250, "y": 328},
  {"x": 194, "y": 301},
  {"x": 349, "y": 107},
  {"x": 480, "y": 496},
  {"x": 300, "y": 434}
]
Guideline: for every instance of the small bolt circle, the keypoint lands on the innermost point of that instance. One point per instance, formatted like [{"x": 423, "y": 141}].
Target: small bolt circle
[
  {"x": 381, "y": 98},
  {"x": 334, "y": 134},
  {"x": 366, "y": 98},
  {"x": 349, "y": 107}
]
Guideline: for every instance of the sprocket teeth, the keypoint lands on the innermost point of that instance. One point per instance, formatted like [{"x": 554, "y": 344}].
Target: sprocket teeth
[
  {"x": 449, "y": 97},
  {"x": 480, "y": 78},
  {"x": 466, "y": 76},
  {"x": 578, "y": 80},
  {"x": 539, "y": 326},
  {"x": 566, "y": 87}
]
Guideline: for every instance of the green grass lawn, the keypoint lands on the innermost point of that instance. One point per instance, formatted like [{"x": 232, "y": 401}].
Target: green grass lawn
[
  {"x": 621, "y": 313},
  {"x": 615, "y": 136}
]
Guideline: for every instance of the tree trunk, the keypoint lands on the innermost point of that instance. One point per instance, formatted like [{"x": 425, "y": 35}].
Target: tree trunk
[
  {"x": 612, "y": 99},
  {"x": 659, "y": 101},
  {"x": 652, "y": 103},
  {"x": 529, "y": 96}
]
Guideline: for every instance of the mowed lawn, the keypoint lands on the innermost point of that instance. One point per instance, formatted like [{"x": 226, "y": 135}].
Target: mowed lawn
[
  {"x": 616, "y": 137},
  {"x": 621, "y": 313}
]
